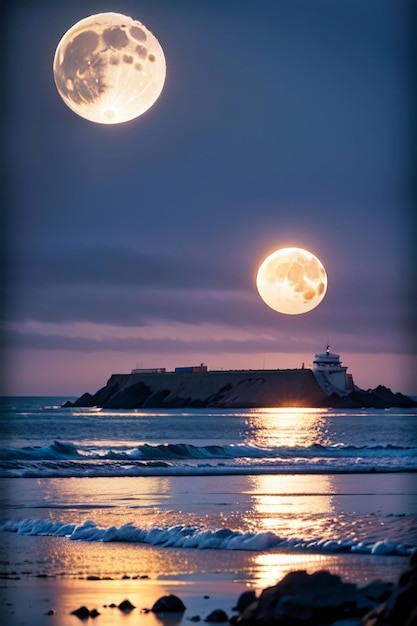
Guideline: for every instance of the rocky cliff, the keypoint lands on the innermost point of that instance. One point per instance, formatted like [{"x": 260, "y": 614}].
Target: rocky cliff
[{"x": 230, "y": 389}]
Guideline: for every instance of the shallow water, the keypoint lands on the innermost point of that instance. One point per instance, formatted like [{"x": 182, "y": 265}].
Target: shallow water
[{"x": 180, "y": 493}]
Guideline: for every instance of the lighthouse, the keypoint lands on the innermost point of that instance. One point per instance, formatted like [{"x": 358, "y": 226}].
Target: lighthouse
[{"x": 331, "y": 375}]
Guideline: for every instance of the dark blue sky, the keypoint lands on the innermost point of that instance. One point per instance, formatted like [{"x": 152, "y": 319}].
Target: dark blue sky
[{"x": 281, "y": 123}]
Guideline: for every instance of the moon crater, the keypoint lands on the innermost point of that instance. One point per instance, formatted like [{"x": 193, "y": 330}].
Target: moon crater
[{"x": 108, "y": 68}]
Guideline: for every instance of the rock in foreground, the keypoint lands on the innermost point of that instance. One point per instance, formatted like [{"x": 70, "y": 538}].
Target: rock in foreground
[
  {"x": 322, "y": 598},
  {"x": 308, "y": 599}
]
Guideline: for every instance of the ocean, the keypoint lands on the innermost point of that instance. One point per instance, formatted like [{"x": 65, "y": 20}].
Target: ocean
[{"x": 246, "y": 494}]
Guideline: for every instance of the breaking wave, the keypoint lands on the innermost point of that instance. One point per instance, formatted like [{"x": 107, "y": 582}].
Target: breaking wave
[
  {"x": 66, "y": 459},
  {"x": 192, "y": 537},
  {"x": 177, "y": 451}
]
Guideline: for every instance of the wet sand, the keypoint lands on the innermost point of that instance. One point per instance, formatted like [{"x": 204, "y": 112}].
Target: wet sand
[
  {"x": 44, "y": 601},
  {"x": 27, "y": 603}
]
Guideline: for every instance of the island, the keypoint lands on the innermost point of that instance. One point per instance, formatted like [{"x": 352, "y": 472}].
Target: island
[{"x": 327, "y": 384}]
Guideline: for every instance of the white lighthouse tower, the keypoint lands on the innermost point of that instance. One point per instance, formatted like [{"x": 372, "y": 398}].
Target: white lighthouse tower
[{"x": 331, "y": 374}]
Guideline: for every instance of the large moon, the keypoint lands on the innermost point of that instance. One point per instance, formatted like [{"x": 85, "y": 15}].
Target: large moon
[
  {"x": 109, "y": 68},
  {"x": 291, "y": 281}
]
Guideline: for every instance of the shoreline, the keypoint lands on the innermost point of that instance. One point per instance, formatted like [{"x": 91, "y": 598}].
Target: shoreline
[
  {"x": 32, "y": 602},
  {"x": 38, "y": 599},
  {"x": 196, "y": 472}
]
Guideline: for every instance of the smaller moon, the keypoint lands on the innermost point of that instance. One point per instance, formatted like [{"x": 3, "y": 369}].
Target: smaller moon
[
  {"x": 109, "y": 68},
  {"x": 291, "y": 281}
]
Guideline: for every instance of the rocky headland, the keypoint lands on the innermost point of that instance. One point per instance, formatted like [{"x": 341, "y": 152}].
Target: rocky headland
[{"x": 232, "y": 389}]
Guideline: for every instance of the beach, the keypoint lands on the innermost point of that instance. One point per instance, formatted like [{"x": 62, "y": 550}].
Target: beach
[
  {"x": 29, "y": 603},
  {"x": 45, "y": 578},
  {"x": 100, "y": 506},
  {"x": 29, "y": 600}
]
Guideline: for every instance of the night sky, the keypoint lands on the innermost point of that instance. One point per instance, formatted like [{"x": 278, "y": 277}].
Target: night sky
[{"x": 281, "y": 123}]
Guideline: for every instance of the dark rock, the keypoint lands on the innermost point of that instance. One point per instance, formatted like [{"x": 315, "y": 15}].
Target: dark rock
[
  {"x": 412, "y": 618},
  {"x": 307, "y": 599},
  {"x": 377, "y": 591},
  {"x": 398, "y": 610},
  {"x": 130, "y": 397},
  {"x": 409, "y": 575},
  {"x": 218, "y": 616},
  {"x": 245, "y": 599},
  {"x": 126, "y": 606},
  {"x": 170, "y": 603},
  {"x": 177, "y": 402},
  {"x": 197, "y": 404},
  {"x": 156, "y": 399},
  {"x": 50, "y": 612},
  {"x": 82, "y": 612},
  {"x": 380, "y": 398},
  {"x": 321, "y": 598},
  {"x": 195, "y": 618},
  {"x": 393, "y": 399},
  {"x": 85, "y": 400},
  {"x": 100, "y": 397}
]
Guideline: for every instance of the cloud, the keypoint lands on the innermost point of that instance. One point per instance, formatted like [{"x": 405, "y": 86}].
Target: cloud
[
  {"x": 199, "y": 340},
  {"x": 102, "y": 266},
  {"x": 105, "y": 284}
]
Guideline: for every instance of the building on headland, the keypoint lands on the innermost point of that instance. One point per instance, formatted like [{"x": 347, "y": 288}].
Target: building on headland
[
  {"x": 148, "y": 370},
  {"x": 192, "y": 369},
  {"x": 328, "y": 370},
  {"x": 330, "y": 374}
]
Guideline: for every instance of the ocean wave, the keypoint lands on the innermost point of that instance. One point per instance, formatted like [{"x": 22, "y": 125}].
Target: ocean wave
[
  {"x": 57, "y": 450},
  {"x": 183, "y": 451},
  {"x": 84, "y": 469},
  {"x": 68, "y": 459},
  {"x": 192, "y": 537}
]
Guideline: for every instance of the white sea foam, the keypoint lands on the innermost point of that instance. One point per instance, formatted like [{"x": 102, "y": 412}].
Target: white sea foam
[{"x": 181, "y": 536}]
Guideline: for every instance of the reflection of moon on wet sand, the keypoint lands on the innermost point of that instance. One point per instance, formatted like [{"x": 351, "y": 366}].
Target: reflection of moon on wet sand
[
  {"x": 292, "y": 281},
  {"x": 109, "y": 68}
]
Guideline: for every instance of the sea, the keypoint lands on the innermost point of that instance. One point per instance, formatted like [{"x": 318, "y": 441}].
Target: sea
[{"x": 250, "y": 494}]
